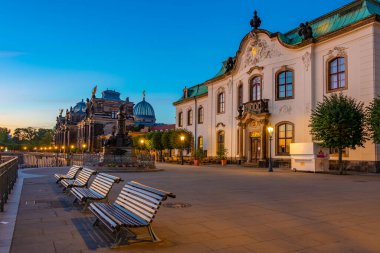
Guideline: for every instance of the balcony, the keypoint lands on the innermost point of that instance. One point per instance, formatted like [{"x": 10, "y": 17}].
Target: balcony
[{"x": 256, "y": 107}]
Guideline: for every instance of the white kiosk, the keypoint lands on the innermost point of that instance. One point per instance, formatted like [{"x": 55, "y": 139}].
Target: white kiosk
[{"x": 309, "y": 156}]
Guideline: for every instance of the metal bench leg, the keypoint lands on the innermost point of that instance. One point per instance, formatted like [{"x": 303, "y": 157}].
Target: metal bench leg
[
  {"x": 96, "y": 222},
  {"x": 118, "y": 240},
  {"x": 152, "y": 234}
]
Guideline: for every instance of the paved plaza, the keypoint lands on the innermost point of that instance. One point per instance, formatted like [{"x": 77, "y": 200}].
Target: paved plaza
[{"x": 232, "y": 209}]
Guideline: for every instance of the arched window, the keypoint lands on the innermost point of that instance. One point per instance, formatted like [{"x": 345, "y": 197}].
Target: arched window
[
  {"x": 221, "y": 102},
  {"x": 220, "y": 140},
  {"x": 284, "y": 85},
  {"x": 189, "y": 117},
  {"x": 285, "y": 135},
  {"x": 200, "y": 142},
  {"x": 240, "y": 96},
  {"x": 337, "y": 74},
  {"x": 180, "y": 119},
  {"x": 200, "y": 115},
  {"x": 255, "y": 88}
]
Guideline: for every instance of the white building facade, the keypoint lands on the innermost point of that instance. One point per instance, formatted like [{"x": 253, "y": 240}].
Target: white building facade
[{"x": 277, "y": 79}]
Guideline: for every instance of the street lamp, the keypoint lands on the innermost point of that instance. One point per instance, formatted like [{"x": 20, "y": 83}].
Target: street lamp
[
  {"x": 83, "y": 147},
  {"x": 270, "y": 133},
  {"x": 182, "y": 138}
]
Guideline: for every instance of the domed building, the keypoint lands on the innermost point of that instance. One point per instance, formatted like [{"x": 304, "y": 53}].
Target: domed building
[{"x": 144, "y": 113}]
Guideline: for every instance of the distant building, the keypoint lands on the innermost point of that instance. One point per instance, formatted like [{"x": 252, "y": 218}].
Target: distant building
[
  {"x": 278, "y": 78},
  {"x": 88, "y": 124}
]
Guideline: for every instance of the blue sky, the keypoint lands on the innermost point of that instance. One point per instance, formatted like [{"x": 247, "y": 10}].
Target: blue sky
[{"x": 53, "y": 52}]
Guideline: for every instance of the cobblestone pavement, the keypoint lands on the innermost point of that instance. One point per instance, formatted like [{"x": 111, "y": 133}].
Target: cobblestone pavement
[{"x": 232, "y": 210}]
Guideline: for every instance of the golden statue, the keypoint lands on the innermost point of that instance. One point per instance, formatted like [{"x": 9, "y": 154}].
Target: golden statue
[{"x": 94, "y": 91}]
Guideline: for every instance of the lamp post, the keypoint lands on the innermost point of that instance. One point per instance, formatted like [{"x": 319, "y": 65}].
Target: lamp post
[
  {"x": 182, "y": 138},
  {"x": 270, "y": 133}
]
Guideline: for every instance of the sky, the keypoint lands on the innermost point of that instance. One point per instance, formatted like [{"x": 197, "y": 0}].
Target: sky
[{"x": 53, "y": 52}]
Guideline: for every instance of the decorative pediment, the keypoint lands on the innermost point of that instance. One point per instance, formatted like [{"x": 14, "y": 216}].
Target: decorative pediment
[
  {"x": 255, "y": 68},
  {"x": 220, "y": 124},
  {"x": 258, "y": 50},
  {"x": 337, "y": 52}
]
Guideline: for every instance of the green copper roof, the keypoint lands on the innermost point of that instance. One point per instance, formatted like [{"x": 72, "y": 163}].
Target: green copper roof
[
  {"x": 335, "y": 20},
  {"x": 194, "y": 91}
]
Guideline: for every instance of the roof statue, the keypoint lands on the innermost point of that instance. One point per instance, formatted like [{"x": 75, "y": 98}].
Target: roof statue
[
  {"x": 230, "y": 64},
  {"x": 60, "y": 112},
  {"x": 255, "y": 21},
  {"x": 305, "y": 31},
  {"x": 94, "y": 91}
]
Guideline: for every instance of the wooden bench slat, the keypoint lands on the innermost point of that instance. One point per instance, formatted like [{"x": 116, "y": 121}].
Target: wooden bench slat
[
  {"x": 145, "y": 193},
  {"x": 128, "y": 196},
  {"x": 135, "y": 206}
]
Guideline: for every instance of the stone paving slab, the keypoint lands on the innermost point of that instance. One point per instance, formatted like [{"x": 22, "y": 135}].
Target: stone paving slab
[{"x": 232, "y": 210}]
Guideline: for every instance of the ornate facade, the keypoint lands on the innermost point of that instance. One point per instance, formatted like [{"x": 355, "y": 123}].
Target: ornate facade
[
  {"x": 278, "y": 78},
  {"x": 89, "y": 123}
]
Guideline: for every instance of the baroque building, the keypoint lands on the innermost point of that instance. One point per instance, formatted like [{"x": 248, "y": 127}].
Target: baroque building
[
  {"x": 278, "y": 78},
  {"x": 89, "y": 123}
]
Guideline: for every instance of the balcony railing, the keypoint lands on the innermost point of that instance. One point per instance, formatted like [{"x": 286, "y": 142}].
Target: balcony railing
[{"x": 256, "y": 107}]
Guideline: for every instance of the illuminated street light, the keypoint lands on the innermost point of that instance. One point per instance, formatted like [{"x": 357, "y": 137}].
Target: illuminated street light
[
  {"x": 182, "y": 138},
  {"x": 270, "y": 133}
]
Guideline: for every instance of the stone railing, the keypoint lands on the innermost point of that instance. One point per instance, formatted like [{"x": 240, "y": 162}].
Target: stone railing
[
  {"x": 33, "y": 160},
  {"x": 256, "y": 107},
  {"x": 8, "y": 176}
]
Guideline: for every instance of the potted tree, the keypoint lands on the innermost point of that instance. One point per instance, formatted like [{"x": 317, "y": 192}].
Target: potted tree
[
  {"x": 222, "y": 155},
  {"x": 198, "y": 156}
]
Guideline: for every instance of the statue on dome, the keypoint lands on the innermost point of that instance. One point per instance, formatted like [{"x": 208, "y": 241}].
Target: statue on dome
[{"x": 94, "y": 91}]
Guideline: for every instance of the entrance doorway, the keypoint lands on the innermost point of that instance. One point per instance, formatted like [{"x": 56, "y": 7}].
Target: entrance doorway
[{"x": 255, "y": 149}]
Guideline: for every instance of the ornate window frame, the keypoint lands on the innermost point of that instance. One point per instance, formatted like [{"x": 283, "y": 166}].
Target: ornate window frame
[
  {"x": 189, "y": 117},
  {"x": 251, "y": 87},
  {"x": 201, "y": 114},
  {"x": 277, "y": 74},
  {"x": 221, "y": 104},
  {"x": 200, "y": 142},
  {"x": 240, "y": 95},
  {"x": 180, "y": 119},
  {"x": 328, "y": 62},
  {"x": 220, "y": 144},
  {"x": 277, "y": 151}
]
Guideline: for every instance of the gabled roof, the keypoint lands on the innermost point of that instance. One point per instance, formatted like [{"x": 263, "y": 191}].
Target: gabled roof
[
  {"x": 327, "y": 24},
  {"x": 194, "y": 91},
  {"x": 335, "y": 20}
]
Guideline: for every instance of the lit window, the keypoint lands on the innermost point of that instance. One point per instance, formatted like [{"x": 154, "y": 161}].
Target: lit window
[
  {"x": 220, "y": 140},
  {"x": 284, "y": 138},
  {"x": 200, "y": 142}
]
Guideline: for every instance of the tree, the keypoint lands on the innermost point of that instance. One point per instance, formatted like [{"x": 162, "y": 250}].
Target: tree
[
  {"x": 165, "y": 140},
  {"x": 4, "y": 136},
  {"x": 176, "y": 141},
  {"x": 157, "y": 143},
  {"x": 339, "y": 122},
  {"x": 44, "y": 137},
  {"x": 373, "y": 119},
  {"x": 24, "y": 134}
]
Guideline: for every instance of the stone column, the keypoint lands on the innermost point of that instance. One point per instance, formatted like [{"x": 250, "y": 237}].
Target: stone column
[{"x": 244, "y": 142}]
